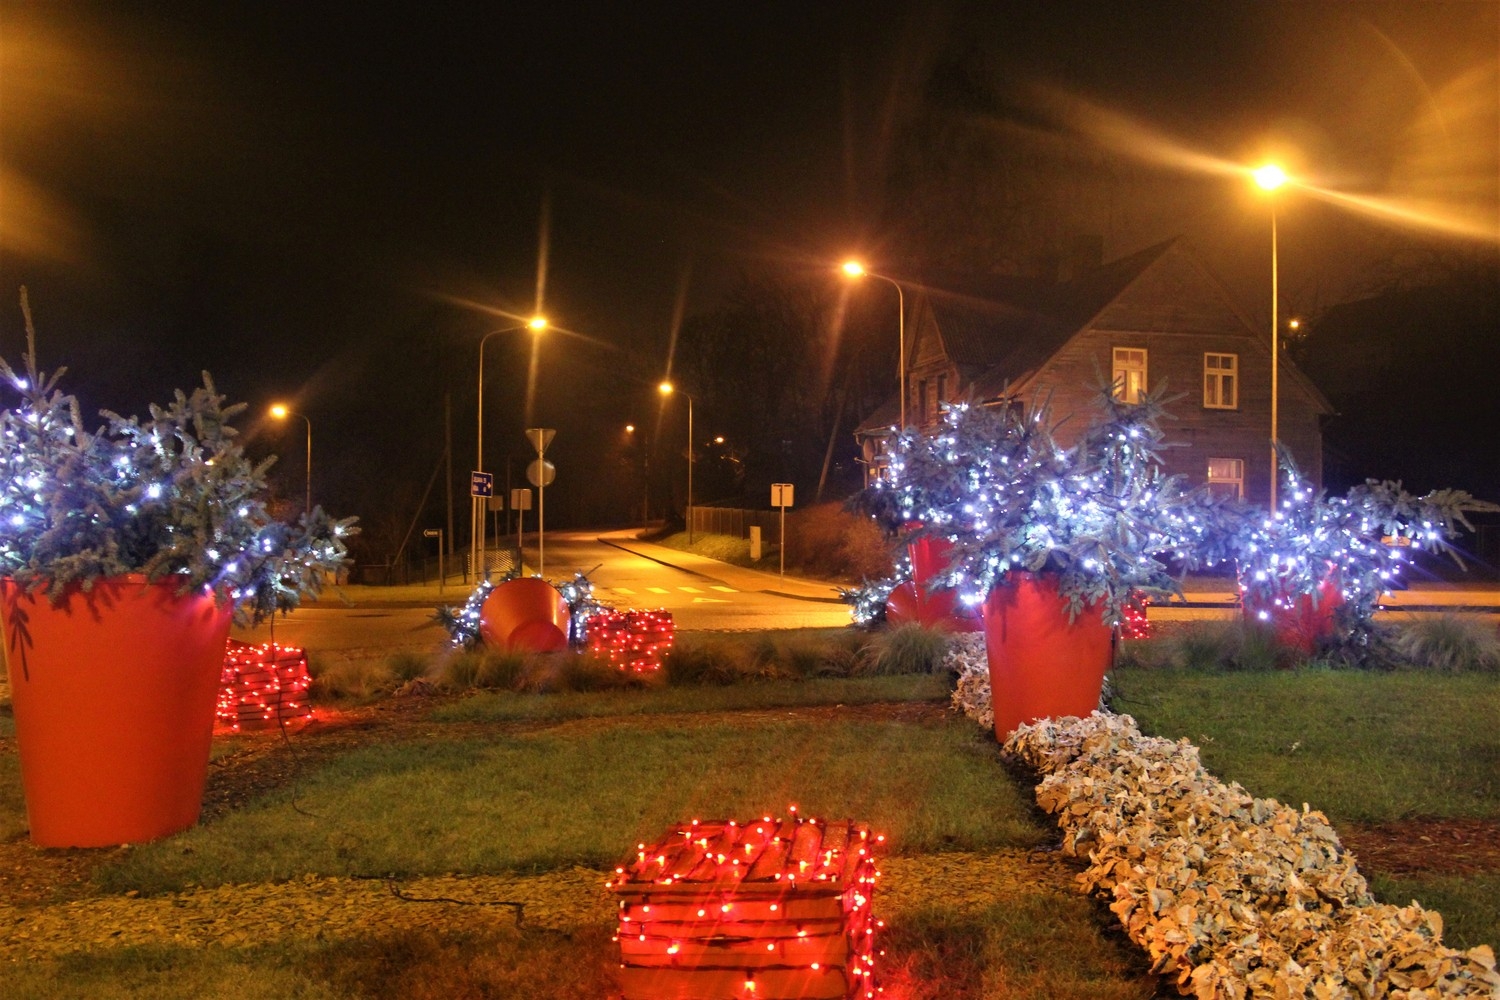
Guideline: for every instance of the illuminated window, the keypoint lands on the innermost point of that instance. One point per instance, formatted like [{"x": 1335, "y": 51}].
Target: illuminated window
[
  {"x": 1221, "y": 385},
  {"x": 1226, "y": 476},
  {"x": 1130, "y": 374}
]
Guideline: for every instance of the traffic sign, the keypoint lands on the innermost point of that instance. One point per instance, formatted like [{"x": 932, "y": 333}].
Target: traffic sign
[
  {"x": 781, "y": 494},
  {"x": 432, "y": 533},
  {"x": 481, "y": 484},
  {"x": 541, "y": 472},
  {"x": 540, "y": 438},
  {"x": 520, "y": 498}
]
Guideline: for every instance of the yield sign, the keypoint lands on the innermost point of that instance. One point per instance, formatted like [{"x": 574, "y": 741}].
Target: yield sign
[{"x": 540, "y": 438}]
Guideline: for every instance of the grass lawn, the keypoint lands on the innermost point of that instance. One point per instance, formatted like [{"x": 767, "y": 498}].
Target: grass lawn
[
  {"x": 1363, "y": 747},
  {"x": 969, "y": 913}
]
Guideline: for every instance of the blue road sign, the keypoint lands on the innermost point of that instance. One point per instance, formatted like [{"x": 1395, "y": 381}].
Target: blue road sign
[{"x": 481, "y": 484}]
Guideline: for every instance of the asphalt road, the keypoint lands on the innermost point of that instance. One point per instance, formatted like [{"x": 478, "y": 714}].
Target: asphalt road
[{"x": 723, "y": 602}]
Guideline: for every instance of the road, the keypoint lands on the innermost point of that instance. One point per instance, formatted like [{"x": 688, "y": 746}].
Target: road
[{"x": 718, "y": 598}]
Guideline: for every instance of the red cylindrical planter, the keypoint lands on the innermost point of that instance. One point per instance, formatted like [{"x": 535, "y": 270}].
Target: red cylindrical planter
[
  {"x": 1304, "y": 625},
  {"x": 940, "y": 607},
  {"x": 525, "y": 615},
  {"x": 113, "y": 692},
  {"x": 1041, "y": 665}
]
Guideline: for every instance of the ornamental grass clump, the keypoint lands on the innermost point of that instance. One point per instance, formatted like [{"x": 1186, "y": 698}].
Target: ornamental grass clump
[
  {"x": 172, "y": 497},
  {"x": 1100, "y": 515},
  {"x": 1447, "y": 643}
]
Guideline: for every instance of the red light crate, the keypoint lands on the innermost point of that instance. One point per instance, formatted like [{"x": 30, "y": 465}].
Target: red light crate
[
  {"x": 633, "y": 640},
  {"x": 770, "y": 909},
  {"x": 263, "y": 686}
]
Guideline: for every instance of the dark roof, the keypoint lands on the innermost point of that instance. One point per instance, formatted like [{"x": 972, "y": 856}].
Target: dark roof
[{"x": 998, "y": 328}]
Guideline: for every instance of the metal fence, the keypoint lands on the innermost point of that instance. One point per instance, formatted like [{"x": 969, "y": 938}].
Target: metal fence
[{"x": 737, "y": 523}]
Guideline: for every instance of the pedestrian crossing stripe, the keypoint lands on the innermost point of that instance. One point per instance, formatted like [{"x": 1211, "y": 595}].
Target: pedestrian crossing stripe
[
  {"x": 622, "y": 590},
  {"x": 690, "y": 590},
  {"x": 724, "y": 590},
  {"x": 659, "y": 590}
]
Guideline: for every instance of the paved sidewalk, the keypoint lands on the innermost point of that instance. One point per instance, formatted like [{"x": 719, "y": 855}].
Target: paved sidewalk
[{"x": 728, "y": 574}]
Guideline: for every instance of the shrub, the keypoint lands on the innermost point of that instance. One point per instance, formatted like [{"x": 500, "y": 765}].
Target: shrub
[
  {"x": 407, "y": 665},
  {"x": 831, "y": 542},
  {"x": 350, "y": 680},
  {"x": 699, "y": 661},
  {"x": 1211, "y": 645},
  {"x": 1447, "y": 642},
  {"x": 908, "y": 649}
]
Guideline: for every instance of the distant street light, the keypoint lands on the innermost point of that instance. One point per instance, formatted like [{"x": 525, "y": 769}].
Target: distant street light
[
  {"x": 280, "y": 412},
  {"x": 645, "y": 474},
  {"x": 854, "y": 270},
  {"x": 477, "y": 505},
  {"x": 666, "y": 388},
  {"x": 1270, "y": 178}
]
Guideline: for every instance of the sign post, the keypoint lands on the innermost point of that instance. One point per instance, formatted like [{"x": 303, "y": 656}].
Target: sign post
[
  {"x": 442, "y": 574},
  {"x": 540, "y": 473},
  {"x": 481, "y": 485},
  {"x": 781, "y": 496}
]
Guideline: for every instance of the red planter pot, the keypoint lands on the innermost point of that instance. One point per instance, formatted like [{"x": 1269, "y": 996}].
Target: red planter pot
[
  {"x": 113, "y": 692},
  {"x": 1304, "y": 625},
  {"x": 525, "y": 615},
  {"x": 1041, "y": 665},
  {"x": 940, "y": 608}
]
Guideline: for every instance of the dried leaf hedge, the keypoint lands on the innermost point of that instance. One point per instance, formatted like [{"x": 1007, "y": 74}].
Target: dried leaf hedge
[{"x": 1233, "y": 897}]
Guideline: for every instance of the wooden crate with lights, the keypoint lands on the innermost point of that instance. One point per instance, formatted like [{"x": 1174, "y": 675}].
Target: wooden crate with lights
[
  {"x": 769, "y": 909},
  {"x": 263, "y": 686}
]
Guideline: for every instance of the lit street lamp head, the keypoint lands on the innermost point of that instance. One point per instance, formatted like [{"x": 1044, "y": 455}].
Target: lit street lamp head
[
  {"x": 537, "y": 323},
  {"x": 853, "y": 269},
  {"x": 279, "y": 412},
  {"x": 666, "y": 388},
  {"x": 1269, "y": 177}
]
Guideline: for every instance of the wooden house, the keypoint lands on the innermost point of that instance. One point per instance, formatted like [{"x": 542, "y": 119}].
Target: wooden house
[{"x": 1156, "y": 315}]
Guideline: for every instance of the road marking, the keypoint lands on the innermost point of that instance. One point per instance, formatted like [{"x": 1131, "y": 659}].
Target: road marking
[
  {"x": 690, "y": 590},
  {"x": 724, "y": 590},
  {"x": 659, "y": 590},
  {"x": 622, "y": 590},
  {"x": 709, "y": 600}
]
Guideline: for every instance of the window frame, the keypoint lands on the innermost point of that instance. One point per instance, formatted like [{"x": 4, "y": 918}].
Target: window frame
[
  {"x": 1239, "y": 484},
  {"x": 1120, "y": 371},
  {"x": 1215, "y": 377}
]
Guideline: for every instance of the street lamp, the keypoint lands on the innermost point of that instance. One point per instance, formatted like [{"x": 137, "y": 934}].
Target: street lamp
[
  {"x": 666, "y": 388},
  {"x": 280, "y": 412},
  {"x": 476, "y": 514},
  {"x": 854, "y": 270},
  {"x": 1270, "y": 178},
  {"x": 645, "y": 473}
]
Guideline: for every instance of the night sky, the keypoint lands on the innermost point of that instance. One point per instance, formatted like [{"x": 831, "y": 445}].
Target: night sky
[{"x": 330, "y": 203}]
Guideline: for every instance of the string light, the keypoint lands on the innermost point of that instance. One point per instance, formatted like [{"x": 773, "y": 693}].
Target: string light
[
  {"x": 263, "y": 686},
  {"x": 714, "y": 908}
]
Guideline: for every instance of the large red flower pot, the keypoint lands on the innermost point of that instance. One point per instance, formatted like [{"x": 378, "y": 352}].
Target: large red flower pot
[
  {"x": 1041, "y": 665},
  {"x": 935, "y": 608},
  {"x": 1301, "y": 623},
  {"x": 525, "y": 615},
  {"x": 113, "y": 692}
]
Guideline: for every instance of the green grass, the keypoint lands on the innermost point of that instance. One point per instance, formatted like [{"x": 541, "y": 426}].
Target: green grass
[
  {"x": 1364, "y": 747},
  {"x": 516, "y": 965},
  {"x": 581, "y": 792},
  {"x": 500, "y": 706}
]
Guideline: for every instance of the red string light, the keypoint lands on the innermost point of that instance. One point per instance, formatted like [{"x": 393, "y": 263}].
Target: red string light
[
  {"x": 263, "y": 686},
  {"x": 769, "y": 909},
  {"x": 634, "y": 641}
]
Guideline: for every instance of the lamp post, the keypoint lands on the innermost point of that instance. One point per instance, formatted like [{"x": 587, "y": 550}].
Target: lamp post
[
  {"x": 645, "y": 447},
  {"x": 477, "y": 507},
  {"x": 667, "y": 388},
  {"x": 1269, "y": 178},
  {"x": 280, "y": 412},
  {"x": 853, "y": 269}
]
